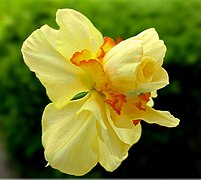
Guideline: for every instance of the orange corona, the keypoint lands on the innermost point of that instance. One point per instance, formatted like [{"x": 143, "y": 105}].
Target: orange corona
[{"x": 92, "y": 64}]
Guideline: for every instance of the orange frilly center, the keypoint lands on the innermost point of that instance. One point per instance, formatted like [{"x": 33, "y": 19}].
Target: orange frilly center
[
  {"x": 92, "y": 64},
  {"x": 140, "y": 103},
  {"x": 143, "y": 99}
]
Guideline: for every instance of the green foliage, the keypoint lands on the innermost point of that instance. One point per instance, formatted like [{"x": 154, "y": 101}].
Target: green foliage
[
  {"x": 79, "y": 95},
  {"x": 23, "y": 98}
]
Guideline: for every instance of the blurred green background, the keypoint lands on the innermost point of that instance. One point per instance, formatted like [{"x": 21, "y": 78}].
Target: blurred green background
[{"x": 161, "y": 152}]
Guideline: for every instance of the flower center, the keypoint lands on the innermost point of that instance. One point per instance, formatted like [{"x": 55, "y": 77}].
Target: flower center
[
  {"x": 92, "y": 64},
  {"x": 145, "y": 71}
]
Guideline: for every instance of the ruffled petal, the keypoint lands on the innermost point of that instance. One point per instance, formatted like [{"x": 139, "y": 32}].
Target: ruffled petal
[
  {"x": 159, "y": 79},
  {"x": 156, "y": 52},
  {"x": 132, "y": 113},
  {"x": 121, "y": 62},
  {"x": 61, "y": 79},
  {"x": 70, "y": 138},
  {"x": 151, "y": 101},
  {"x": 134, "y": 65},
  {"x": 150, "y": 115},
  {"x": 124, "y": 127},
  {"x": 153, "y": 47},
  {"x": 76, "y": 33},
  {"x": 111, "y": 156},
  {"x": 148, "y": 37},
  {"x": 114, "y": 142}
]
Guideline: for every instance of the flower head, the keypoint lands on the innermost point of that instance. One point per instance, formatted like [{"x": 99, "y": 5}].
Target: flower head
[{"x": 119, "y": 80}]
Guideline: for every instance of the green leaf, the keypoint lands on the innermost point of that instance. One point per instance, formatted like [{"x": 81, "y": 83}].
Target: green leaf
[{"x": 79, "y": 95}]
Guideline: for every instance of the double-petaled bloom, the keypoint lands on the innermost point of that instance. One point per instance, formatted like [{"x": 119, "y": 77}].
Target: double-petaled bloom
[{"x": 119, "y": 80}]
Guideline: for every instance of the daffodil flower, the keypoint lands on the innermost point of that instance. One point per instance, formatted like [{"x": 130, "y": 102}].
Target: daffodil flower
[{"x": 116, "y": 82}]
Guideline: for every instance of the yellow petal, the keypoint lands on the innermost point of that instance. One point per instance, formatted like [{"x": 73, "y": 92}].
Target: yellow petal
[
  {"x": 159, "y": 79},
  {"x": 114, "y": 142},
  {"x": 76, "y": 33},
  {"x": 120, "y": 64},
  {"x": 163, "y": 118},
  {"x": 132, "y": 112},
  {"x": 70, "y": 139},
  {"x": 156, "y": 52},
  {"x": 111, "y": 156},
  {"x": 148, "y": 37},
  {"x": 61, "y": 79},
  {"x": 124, "y": 127},
  {"x": 112, "y": 150},
  {"x": 153, "y": 48},
  {"x": 134, "y": 66}
]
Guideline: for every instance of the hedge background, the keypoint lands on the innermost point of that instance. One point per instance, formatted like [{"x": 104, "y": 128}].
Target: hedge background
[{"x": 161, "y": 152}]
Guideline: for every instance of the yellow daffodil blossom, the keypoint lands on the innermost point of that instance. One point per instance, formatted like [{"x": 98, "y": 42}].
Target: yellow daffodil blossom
[{"x": 119, "y": 80}]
